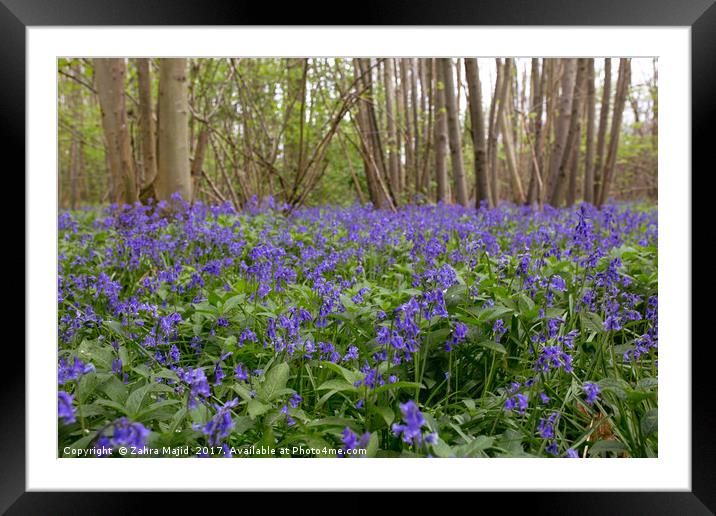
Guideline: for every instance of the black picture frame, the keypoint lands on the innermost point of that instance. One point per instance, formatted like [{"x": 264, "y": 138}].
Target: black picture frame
[{"x": 700, "y": 15}]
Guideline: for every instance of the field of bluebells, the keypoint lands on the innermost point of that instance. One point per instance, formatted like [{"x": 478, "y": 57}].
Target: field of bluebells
[{"x": 436, "y": 331}]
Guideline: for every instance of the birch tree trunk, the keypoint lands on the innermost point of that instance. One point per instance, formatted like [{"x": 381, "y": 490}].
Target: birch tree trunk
[
  {"x": 458, "y": 169},
  {"x": 173, "y": 174}
]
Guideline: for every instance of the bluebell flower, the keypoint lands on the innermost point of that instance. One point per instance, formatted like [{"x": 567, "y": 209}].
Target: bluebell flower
[
  {"x": 499, "y": 329},
  {"x": 552, "y": 448},
  {"x": 67, "y": 372},
  {"x": 65, "y": 410},
  {"x": 592, "y": 390},
  {"x": 414, "y": 421},
  {"x": 219, "y": 426}
]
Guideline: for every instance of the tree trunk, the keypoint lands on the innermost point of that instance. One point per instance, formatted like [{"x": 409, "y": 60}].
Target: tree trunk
[
  {"x": 603, "y": 122},
  {"x": 589, "y": 158},
  {"x": 109, "y": 79},
  {"x": 393, "y": 157},
  {"x": 579, "y": 100},
  {"x": 174, "y": 174},
  {"x": 562, "y": 126},
  {"x": 620, "y": 96},
  {"x": 492, "y": 137},
  {"x": 416, "y": 125},
  {"x": 146, "y": 124},
  {"x": 441, "y": 136},
  {"x": 370, "y": 141},
  {"x": 561, "y": 179},
  {"x": 477, "y": 122},
  {"x": 534, "y": 193},
  {"x": 75, "y": 106},
  {"x": 458, "y": 169},
  {"x": 410, "y": 163},
  {"x": 427, "y": 92},
  {"x": 507, "y": 134}
]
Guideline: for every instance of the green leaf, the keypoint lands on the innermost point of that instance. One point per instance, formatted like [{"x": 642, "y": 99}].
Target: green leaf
[
  {"x": 646, "y": 384},
  {"x": 242, "y": 391},
  {"x": 275, "y": 381},
  {"x": 475, "y": 447},
  {"x": 232, "y": 302},
  {"x": 338, "y": 385},
  {"x": 456, "y": 295},
  {"x": 607, "y": 446},
  {"x": 386, "y": 413},
  {"x": 373, "y": 445},
  {"x": 115, "y": 389},
  {"x": 591, "y": 322},
  {"x": 442, "y": 449},
  {"x": 140, "y": 396},
  {"x": 396, "y": 386},
  {"x": 649, "y": 423},
  {"x": 98, "y": 354},
  {"x": 616, "y": 386},
  {"x": 351, "y": 376},
  {"x": 636, "y": 397},
  {"x": 256, "y": 408},
  {"x": 494, "y": 346}
]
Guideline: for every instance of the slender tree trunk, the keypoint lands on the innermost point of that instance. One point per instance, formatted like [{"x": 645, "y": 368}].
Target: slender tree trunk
[
  {"x": 589, "y": 158},
  {"x": 370, "y": 141},
  {"x": 561, "y": 179},
  {"x": 410, "y": 163},
  {"x": 294, "y": 110},
  {"x": 535, "y": 127},
  {"x": 562, "y": 127},
  {"x": 620, "y": 96},
  {"x": 173, "y": 175},
  {"x": 146, "y": 123},
  {"x": 74, "y": 102},
  {"x": 579, "y": 100},
  {"x": 393, "y": 156},
  {"x": 458, "y": 169},
  {"x": 550, "y": 86},
  {"x": 416, "y": 125},
  {"x": 602, "y": 133},
  {"x": 109, "y": 79},
  {"x": 197, "y": 164},
  {"x": 507, "y": 134},
  {"x": 477, "y": 122},
  {"x": 492, "y": 137},
  {"x": 441, "y": 136},
  {"x": 428, "y": 86}
]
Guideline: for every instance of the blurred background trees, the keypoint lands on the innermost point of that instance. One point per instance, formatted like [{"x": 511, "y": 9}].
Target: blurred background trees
[{"x": 308, "y": 131}]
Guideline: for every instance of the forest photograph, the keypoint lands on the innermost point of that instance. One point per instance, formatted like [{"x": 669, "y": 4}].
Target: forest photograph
[{"x": 357, "y": 257}]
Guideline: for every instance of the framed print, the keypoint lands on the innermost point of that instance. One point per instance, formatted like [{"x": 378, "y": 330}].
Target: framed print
[{"x": 439, "y": 240}]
